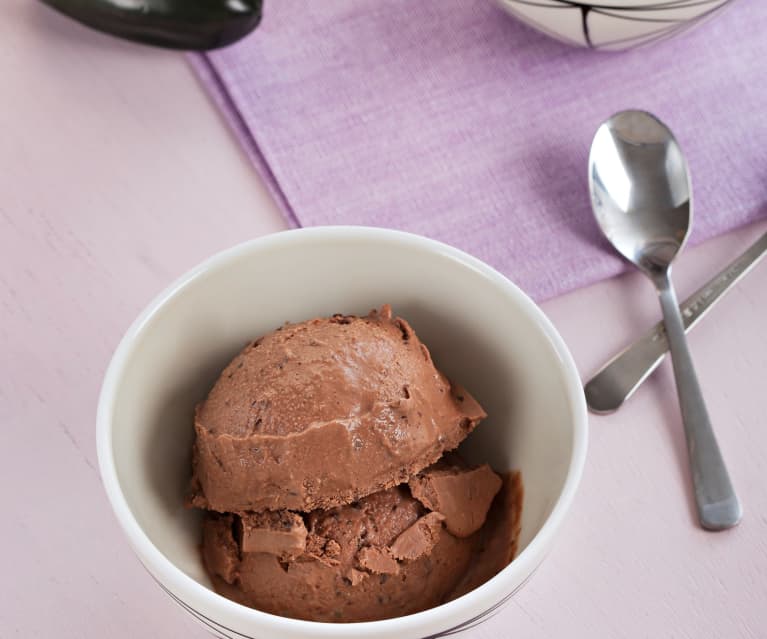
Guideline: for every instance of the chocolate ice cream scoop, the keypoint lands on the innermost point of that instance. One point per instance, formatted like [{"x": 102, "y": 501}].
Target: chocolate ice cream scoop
[
  {"x": 321, "y": 413},
  {"x": 380, "y": 557},
  {"x": 320, "y": 457}
]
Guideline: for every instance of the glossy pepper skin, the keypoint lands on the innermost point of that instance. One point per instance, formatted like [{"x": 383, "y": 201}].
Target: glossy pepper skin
[{"x": 176, "y": 24}]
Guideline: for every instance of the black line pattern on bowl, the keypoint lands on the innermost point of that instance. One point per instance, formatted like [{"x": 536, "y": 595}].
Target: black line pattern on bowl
[
  {"x": 618, "y": 12},
  {"x": 207, "y": 621},
  {"x": 236, "y": 634},
  {"x": 481, "y": 617}
]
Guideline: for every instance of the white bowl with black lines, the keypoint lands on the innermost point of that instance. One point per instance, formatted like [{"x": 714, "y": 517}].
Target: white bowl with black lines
[
  {"x": 480, "y": 328},
  {"x": 612, "y": 25}
]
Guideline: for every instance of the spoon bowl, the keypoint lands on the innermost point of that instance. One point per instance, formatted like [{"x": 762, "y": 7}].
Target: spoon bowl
[
  {"x": 640, "y": 188},
  {"x": 642, "y": 201}
]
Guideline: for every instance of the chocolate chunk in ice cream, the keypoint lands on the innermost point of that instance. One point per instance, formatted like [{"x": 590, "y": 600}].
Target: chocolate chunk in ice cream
[
  {"x": 379, "y": 561},
  {"x": 461, "y": 494},
  {"x": 280, "y": 533},
  {"x": 420, "y": 538}
]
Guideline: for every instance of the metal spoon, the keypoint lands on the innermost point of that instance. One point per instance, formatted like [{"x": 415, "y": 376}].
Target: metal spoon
[
  {"x": 617, "y": 380},
  {"x": 642, "y": 200}
]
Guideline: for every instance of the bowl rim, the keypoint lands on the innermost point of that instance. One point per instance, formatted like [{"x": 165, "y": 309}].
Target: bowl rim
[{"x": 433, "y": 620}]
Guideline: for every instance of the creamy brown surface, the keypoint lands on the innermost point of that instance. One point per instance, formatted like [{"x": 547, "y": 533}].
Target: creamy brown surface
[
  {"x": 362, "y": 392},
  {"x": 382, "y": 557},
  {"x": 315, "y": 458}
]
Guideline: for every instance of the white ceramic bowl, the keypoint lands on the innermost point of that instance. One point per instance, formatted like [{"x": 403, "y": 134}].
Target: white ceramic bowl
[
  {"x": 612, "y": 24},
  {"x": 481, "y": 329}
]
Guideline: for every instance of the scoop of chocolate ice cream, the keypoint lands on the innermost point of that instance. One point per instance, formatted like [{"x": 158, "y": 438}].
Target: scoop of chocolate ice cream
[
  {"x": 320, "y": 459},
  {"x": 321, "y": 413},
  {"x": 380, "y": 557}
]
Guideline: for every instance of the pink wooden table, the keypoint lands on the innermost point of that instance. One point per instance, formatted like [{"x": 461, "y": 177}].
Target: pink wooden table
[{"x": 117, "y": 175}]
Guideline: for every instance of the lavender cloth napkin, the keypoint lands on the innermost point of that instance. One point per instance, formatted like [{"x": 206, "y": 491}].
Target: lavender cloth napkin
[{"x": 450, "y": 119}]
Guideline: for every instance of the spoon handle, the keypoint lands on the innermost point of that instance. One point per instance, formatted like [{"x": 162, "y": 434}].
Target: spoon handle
[
  {"x": 617, "y": 380},
  {"x": 718, "y": 505}
]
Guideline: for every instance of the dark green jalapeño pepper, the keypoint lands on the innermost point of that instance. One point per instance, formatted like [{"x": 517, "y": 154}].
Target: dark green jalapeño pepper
[{"x": 177, "y": 24}]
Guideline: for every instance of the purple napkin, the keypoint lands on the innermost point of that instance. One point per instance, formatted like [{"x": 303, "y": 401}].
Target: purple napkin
[{"x": 452, "y": 120}]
